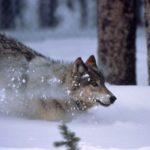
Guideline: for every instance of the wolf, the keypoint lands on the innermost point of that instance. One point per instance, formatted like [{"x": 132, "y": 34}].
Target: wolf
[{"x": 51, "y": 89}]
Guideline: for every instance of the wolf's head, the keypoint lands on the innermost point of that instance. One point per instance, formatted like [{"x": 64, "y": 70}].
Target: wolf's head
[{"x": 88, "y": 85}]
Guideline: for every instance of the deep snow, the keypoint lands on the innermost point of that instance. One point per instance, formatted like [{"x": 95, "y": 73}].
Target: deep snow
[{"x": 124, "y": 125}]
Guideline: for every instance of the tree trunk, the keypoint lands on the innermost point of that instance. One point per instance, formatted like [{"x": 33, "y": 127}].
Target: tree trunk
[
  {"x": 7, "y": 16},
  {"x": 84, "y": 12},
  {"x": 10, "y": 10},
  {"x": 116, "y": 43},
  {"x": 47, "y": 13},
  {"x": 147, "y": 24}
]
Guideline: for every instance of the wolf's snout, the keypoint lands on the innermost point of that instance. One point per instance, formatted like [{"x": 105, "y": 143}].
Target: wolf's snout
[{"x": 112, "y": 99}]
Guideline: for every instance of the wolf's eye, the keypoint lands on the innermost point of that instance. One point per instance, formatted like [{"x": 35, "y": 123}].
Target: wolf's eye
[{"x": 94, "y": 84}]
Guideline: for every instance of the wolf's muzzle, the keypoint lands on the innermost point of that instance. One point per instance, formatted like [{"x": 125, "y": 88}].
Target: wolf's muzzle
[{"x": 112, "y": 99}]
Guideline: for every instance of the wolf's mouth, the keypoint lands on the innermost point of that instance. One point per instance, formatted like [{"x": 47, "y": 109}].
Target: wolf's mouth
[{"x": 103, "y": 104}]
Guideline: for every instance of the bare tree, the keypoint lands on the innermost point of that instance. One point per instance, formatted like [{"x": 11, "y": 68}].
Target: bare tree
[
  {"x": 84, "y": 12},
  {"x": 9, "y": 11},
  {"x": 116, "y": 32},
  {"x": 147, "y": 24},
  {"x": 47, "y": 13}
]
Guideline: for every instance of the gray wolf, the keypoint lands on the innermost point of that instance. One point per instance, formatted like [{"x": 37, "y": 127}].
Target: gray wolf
[{"x": 49, "y": 89}]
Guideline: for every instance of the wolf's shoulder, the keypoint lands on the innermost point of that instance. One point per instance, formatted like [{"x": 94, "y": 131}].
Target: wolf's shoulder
[{"x": 11, "y": 46}]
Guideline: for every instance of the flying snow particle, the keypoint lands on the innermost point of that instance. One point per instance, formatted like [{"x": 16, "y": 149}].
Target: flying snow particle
[
  {"x": 68, "y": 92},
  {"x": 54, "y": 80},
  {"x": 23, "y": 80},
  {"x": 13, "y": 85},
  {"x": 42, "y": 79},
  {"x": 12, "y": 79},
  {"x": 2, "y": 95},
  {"x": 81, "y": 93}
]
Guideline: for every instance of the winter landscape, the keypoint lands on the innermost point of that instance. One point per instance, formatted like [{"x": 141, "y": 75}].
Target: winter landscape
[{"x": 124, "y": 125}]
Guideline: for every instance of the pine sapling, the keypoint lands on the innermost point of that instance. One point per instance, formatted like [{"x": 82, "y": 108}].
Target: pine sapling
[{"x": 70, "y": 139}]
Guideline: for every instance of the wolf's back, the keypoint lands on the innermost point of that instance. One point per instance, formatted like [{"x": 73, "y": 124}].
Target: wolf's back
[{"x": 9, "y": 46}]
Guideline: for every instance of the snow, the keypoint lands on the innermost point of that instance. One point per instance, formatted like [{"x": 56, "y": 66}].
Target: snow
[
  {"x": 123, "y": 126},
  {"x": 141, "y": 58}
]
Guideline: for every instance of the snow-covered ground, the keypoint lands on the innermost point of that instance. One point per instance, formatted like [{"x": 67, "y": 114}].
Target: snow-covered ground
[{"x": 124, "y": 125}]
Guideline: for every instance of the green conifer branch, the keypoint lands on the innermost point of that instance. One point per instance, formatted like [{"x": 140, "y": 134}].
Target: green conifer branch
[{"x": 70, "y": 139}]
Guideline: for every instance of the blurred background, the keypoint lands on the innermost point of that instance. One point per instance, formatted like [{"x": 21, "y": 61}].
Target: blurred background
[
  {"x": 71, "y": 28},
  {"x": 52, "y": 18}
]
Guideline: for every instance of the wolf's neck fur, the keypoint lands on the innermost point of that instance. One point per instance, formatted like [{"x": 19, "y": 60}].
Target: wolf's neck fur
[
  {"x": 50, "y": 75},
  {"x": 60, "y": 70}
]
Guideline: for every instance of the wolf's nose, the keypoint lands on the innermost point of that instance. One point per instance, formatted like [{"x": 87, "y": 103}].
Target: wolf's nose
[{"x": 112, "y": 99}]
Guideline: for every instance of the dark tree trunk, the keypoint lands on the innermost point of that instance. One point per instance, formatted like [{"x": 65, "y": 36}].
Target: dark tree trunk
[
  {"x": 84, "y": 12},
  {"x": 6, "y": 14},
  {"x": 70, "y": 4},
  {"x": 47, "y": 13},
  {"x": 147, "y": 24},
  {"x": 9, "y": 11},
  {"x": 116, "y": 45}
]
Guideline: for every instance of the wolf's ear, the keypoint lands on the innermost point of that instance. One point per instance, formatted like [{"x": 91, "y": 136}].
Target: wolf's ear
[
  {"x": 79, "y": 66},
  {"x": 91, "y": 61}
]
